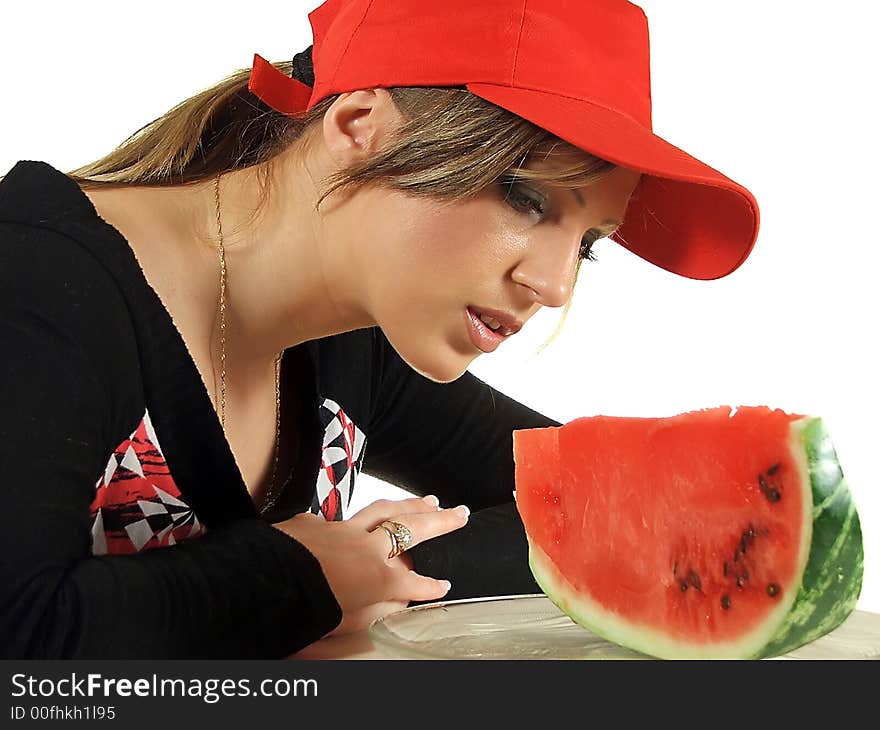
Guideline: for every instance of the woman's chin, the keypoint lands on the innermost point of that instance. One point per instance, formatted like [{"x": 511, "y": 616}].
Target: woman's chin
[
  {"x": 440, "y": 372},
  {"x": 439, "y": 364}
]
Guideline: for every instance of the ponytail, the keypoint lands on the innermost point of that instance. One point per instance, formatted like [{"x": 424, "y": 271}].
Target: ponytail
[{"x": 220, "y": 129}]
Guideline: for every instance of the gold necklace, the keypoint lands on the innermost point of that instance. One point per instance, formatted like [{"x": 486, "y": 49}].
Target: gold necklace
[{"x": 271, "y": 492}]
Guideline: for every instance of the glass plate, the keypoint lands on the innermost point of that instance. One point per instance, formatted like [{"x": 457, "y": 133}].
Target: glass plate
[{"x": 531, "y": 627}]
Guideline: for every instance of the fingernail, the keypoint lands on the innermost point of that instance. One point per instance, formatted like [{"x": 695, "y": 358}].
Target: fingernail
[
  {"x": 431, "y": 499},
  {"x": 464, "y": 508},
  {"x": 447, "y": 584}
]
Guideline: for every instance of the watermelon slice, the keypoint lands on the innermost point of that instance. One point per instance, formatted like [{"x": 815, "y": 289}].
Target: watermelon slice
[{"x": 720, "y": 533}]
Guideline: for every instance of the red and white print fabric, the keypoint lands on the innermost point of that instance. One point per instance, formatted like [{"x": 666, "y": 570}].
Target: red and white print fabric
[
  {"x": 341, "y": 458},
  {"x": 137, "y": 505}
]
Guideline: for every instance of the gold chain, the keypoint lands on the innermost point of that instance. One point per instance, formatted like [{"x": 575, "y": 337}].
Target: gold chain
[{"x": 271, "y": 492}]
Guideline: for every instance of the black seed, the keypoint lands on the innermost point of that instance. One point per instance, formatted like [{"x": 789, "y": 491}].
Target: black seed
[
  {"x": 771, "y": 493},
  {"x": 683, "y": 586},
  {"x": 725, "y": 568},
  {"x": 695, "y": 580},
  {"x": 736, "y": 555},
  {"x": 739, "y": 583},
  {"x": 742, "y": 544},
  {"x": 725, "y": 602},
  {"x": 751, "y": 533},
  {"x": 772, "y": 589},
  {"x": 675, "y": 568},
  {"x": 745, "y": 575},
  {"x": 773, "y": 469}
]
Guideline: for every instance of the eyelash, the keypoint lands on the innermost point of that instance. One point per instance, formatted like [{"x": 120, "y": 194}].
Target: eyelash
[{"x": 537, "y": 207}]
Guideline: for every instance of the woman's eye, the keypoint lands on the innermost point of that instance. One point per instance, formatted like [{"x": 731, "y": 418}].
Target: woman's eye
[{"x": 524, "y": 199}]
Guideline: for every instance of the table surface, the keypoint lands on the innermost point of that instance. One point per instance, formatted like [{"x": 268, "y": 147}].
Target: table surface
[{"x": 856, "y": 638}]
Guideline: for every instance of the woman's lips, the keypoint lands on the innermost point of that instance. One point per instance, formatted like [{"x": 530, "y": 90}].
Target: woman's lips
[{"x": 482, "y": 336}]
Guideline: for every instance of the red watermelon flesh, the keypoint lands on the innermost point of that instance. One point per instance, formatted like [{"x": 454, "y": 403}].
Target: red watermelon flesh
[{"x": 690, "y": 536}]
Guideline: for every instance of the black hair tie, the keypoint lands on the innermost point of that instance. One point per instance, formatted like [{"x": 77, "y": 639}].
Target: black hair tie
[{"x": 303, "y": 70}]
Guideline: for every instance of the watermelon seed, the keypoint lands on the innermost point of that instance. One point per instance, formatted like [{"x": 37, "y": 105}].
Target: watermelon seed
[
  {"x": 771, "y": 493},
  {"x": 675, "y": 568},
  {"x": 695, "y": 580},
  {"x": 725, "y": 602},
  {"x": 772, "y": 589},
  {"x": 725, "y": 568},
  {"x": 773, "y": 469},
  {"x": 684, "y": 586},
  {"x": 739, "y": 583},
  {"x": 742, "y": 544}
]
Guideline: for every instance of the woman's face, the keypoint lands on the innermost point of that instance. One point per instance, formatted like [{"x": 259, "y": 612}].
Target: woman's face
[{"x": 432, "y": 267}]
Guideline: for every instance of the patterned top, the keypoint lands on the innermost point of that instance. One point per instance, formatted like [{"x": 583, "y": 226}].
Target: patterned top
[
  {"x": 137, "y": 505},
  {"x": 133, "y": 530}
]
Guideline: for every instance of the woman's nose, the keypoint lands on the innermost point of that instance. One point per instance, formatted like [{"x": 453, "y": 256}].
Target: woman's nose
[{"x": 548, "y": 273}]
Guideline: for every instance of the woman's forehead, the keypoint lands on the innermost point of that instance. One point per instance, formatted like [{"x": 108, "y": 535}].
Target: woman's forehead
[
  {"x": 556, "y": 157},
  {"x": 595, "y": 171}
]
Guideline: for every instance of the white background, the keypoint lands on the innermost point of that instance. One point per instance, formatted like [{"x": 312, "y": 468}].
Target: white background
[{"x": 779, "y": 96}]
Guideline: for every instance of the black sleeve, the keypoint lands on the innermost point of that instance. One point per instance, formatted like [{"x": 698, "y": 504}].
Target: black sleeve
[
  {"x": 455, "y": 440},
  {"x": 242, "y": 590}
]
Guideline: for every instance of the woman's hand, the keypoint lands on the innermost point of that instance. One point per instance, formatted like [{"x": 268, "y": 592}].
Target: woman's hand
[{"x": 354, "y": 556}]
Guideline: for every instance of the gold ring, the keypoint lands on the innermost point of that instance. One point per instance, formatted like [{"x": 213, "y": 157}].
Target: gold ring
[{"x": 400, "y": 535}]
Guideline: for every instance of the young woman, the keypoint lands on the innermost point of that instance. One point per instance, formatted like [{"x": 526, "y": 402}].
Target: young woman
[{"x": 210, "y": 332}]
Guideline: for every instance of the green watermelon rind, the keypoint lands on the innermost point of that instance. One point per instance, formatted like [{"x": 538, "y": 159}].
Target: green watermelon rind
[
  {"x": 829, "y": 572},
  {"x": 832, "y": 578}
]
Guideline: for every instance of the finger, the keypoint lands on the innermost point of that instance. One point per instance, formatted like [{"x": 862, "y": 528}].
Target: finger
[
  {"x": 424, "y": 526},
  {"x": 371, "y": 516},
  {"x": 413, "y": 586}
]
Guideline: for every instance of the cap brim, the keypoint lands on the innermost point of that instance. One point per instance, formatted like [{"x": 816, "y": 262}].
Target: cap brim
[{"x": 685, "y": 216}]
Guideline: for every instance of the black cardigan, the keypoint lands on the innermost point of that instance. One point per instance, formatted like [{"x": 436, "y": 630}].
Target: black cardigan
[{"x": 127, "y": 530}]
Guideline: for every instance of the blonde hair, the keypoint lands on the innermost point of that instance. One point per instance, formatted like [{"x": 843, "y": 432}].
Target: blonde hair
[{"x": 452, "y": 145}]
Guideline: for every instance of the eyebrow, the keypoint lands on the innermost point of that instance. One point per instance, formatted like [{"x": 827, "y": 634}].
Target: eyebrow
[{"x": 609, "y": 225}]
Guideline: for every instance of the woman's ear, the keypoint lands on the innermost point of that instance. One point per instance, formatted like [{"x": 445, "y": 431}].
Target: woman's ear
[{"x": 358, "y": 123}]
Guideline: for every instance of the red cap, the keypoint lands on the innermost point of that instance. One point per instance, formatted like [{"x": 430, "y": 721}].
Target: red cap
[{"x": 579, "y": 69}]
